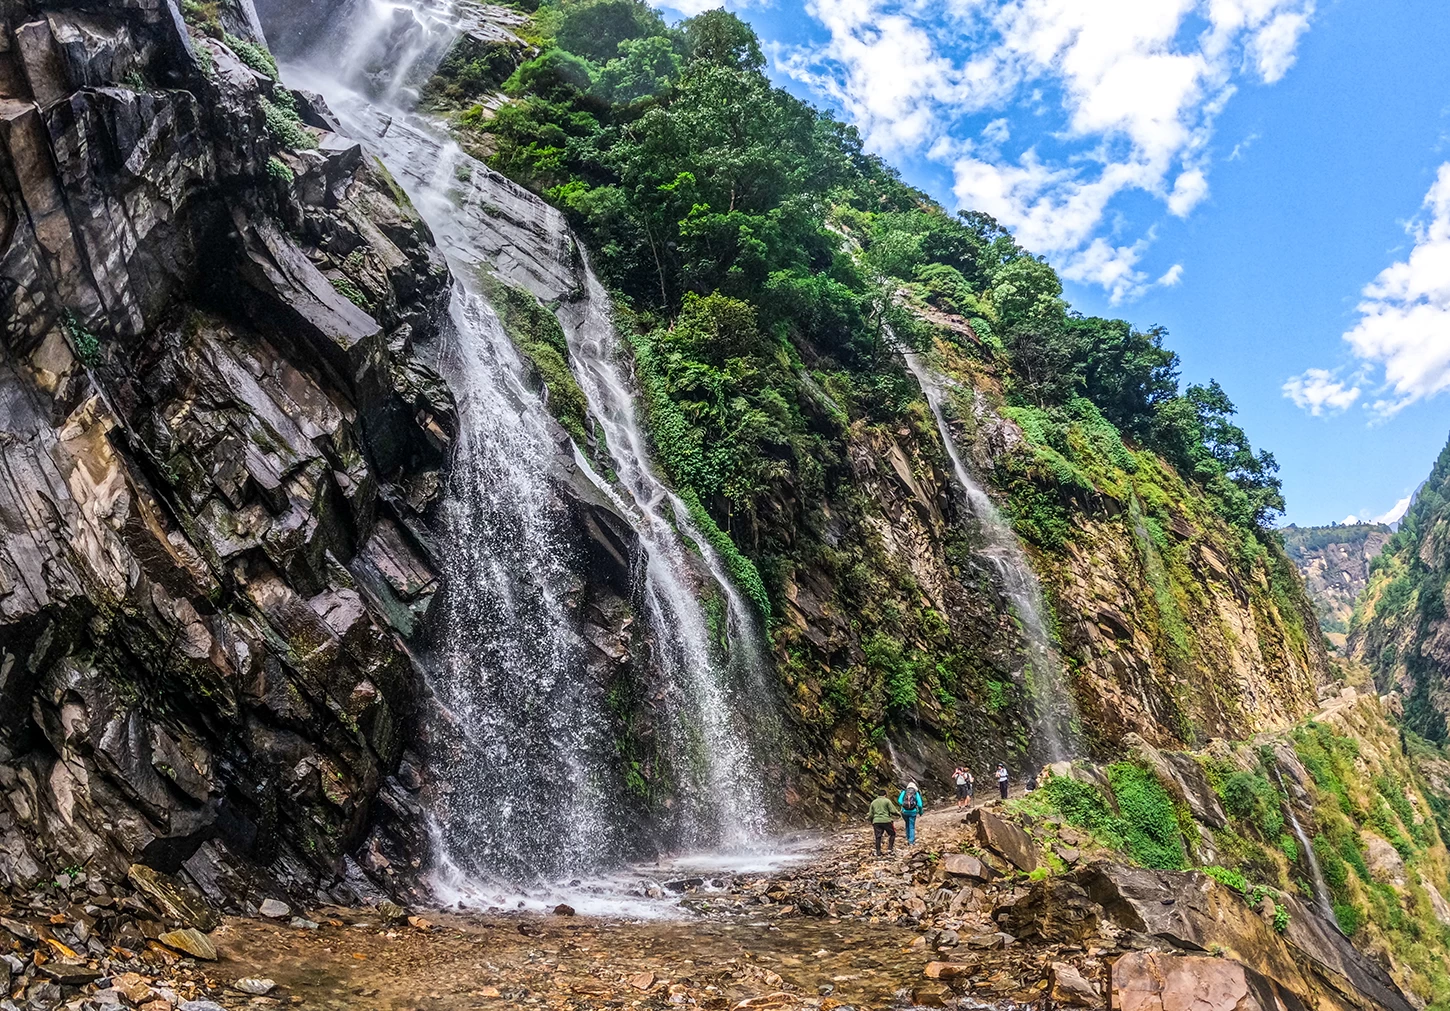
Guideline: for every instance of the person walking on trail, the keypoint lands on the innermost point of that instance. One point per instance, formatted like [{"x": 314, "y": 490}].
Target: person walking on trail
[
  {"x": 1002, "y": 779},
  {"x": 963, "y": 778},
  {"x": 911, "y": 805},
  {"x": 883, "y": 821}
]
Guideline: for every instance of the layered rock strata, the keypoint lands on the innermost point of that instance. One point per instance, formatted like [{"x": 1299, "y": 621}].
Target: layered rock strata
[{"x": 220, "y": 442}]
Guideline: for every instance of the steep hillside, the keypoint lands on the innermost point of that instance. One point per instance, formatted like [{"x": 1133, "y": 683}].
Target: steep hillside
[
  {"x": 1338, "y": 820},
  {"x": 1335, "y": 563},
  {"x": 771, "y": 275},
  {"x": 1401, "y": 629}
]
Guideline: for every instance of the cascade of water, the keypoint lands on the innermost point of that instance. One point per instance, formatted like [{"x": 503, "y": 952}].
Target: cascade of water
[
  {"x": 1321, "y": 887},
  {"x": 529, "y": 739},
  {"x": 1053, "y": 704},
  {"x": 727, "y": 708}
]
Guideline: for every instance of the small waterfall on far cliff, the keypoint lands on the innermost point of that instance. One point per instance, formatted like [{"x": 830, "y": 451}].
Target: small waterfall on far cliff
[
  {"x": 1054, "y": 709},
  {"x": 1317, "y": 882}
]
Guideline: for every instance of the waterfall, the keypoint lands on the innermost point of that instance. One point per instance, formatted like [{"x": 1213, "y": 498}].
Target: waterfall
[
  {"x": 526, "y": 785},
  {"x": 726, "y": 698},
  {"x": 1321, "y": 887},
  {"x": 1054, "y": 708}
]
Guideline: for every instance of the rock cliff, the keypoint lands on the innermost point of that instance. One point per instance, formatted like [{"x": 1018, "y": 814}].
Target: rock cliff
[
  {"x": 1401, "y": 628},
  {"x": 219, "y": 445},
  {"x": 1335, "y": 563}
]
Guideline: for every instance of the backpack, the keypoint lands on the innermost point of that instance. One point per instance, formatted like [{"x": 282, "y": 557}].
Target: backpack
[{"x": 913, "y": 799}]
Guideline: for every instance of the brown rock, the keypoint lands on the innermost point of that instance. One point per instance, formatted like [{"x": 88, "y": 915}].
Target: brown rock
[
  {"x": 930, "y": 996},
  {"x": 174, "y": 902},
  {"x": 641, "y": 980},
  {"x": 191, "y": 941},
  {"x": 1069, "y": 988},
  {"x": 1154, "y": 981},
  {"x": 947, "y": 970},
  {"x": 1004, "y": 838},
  {"x": 964, "y": 865}
]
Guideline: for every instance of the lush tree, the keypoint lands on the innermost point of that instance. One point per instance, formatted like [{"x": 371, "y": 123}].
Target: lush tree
[
  {"x": 721, "y": 38},
  {"x": 595, "y": 29}
]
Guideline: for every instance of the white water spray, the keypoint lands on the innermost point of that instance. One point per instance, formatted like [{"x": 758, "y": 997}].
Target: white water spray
[{"x": 526, "y": 788}]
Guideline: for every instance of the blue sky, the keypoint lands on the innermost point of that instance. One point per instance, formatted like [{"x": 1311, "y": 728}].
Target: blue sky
[{"x": 1263, "y": 177}]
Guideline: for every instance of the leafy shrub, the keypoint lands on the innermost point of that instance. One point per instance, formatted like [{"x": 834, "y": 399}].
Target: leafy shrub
[
  {"x": 1229, "y": 878},
  {"x": 886, "y": 657},
  {"x": 1349, "y": 917},
  {"x": 277, "y": 169},
  {"x": 1251, "y": 798},
  {"x": 87, "y": 345},
  {"x": 285, "y": 126},
  {"x": 255, "y": 56},
  {"x": 350, "y": 291},
  {"x": 1281, "y": 917},
  {"x": 1149, "y": 818}
]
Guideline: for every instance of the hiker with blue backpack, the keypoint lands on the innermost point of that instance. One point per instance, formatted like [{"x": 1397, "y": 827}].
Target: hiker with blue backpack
[{"x": 911, "y": 805}]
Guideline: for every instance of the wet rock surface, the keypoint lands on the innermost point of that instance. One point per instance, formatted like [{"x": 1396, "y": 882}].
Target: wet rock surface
[
  {"x": 842, "y": 929},
  {"x": 220, "y": 446}
]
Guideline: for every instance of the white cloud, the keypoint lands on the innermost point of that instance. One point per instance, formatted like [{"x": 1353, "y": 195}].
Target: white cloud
[
  {"x": 1403, "y": 332},
  {"x": 1397, "y": 511},
  {"x": 1350, "y": 521},
  {"x": 1129, "y": 89},
  {"x": 1320, "y": 392},
  {"x": 1172, "y": 277},
  {"x": 1189, "y": 189}
]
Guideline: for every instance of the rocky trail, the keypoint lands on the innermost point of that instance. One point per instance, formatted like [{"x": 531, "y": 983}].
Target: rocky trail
[
  {"x": 959, "y": 921},
  {"x": 840, "y": 929}
]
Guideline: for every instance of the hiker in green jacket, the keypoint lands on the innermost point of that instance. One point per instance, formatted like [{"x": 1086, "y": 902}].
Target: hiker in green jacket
[{"x": 884, "y": 813}]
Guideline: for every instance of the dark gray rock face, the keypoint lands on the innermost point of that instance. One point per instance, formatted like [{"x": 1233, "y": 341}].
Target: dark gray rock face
[{"x": 220, "y": 447}]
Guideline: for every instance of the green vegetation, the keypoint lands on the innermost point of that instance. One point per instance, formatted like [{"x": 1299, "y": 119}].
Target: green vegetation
[
  {"x": 277, "y": 169},
  {"x": 284, "y": 124},
  {"x": 86, "y": 344},
  {"x": 255, "y": 56},
  {"x": 349, "y": 290},
  {"x": 1145, "y": 826},
  {"x": 539, "y": 338}
]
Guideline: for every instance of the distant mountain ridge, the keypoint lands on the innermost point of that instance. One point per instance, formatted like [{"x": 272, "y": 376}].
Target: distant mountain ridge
[{"x": 1335, "y": 562}]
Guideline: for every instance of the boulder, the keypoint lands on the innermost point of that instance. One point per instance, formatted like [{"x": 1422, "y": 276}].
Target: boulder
[
  {"x": 1384, "y": 861},
  {"x": 947, "y": 970},
  {"x": 1194, "y": 912},
  {"x": 1158, "y": 981},
  {"x": 173, "y": 901},
  {"x": 192, "y": 941},
  {"x": 1056, "y": 910},
  {"x": 964, "y": 865},
  {"x": 274, "y": 909},
  {"x": 1068, "y": 987},
  {"x": 1002, "y": 837}
]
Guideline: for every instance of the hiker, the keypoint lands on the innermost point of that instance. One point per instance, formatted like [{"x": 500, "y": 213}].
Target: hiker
[
  {"x": 911, "y": 805},
  {"x": 1032, "y": 782},
  {"x": 883, "y": 818},
  {"x": 1002, "y": 779},
  {"x": 962, "y": 776}
]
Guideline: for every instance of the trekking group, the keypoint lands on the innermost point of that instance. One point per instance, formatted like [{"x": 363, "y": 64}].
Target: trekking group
[{"x": 910, "y": 803}]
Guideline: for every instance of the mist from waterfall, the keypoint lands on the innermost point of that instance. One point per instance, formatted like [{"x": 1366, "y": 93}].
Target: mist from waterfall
[
  {"x": 1054, "y": 709},
  {"x": 524, "y": 757}
]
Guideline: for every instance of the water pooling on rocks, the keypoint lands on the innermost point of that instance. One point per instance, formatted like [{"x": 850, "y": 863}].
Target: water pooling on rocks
[
  {"x": 1052, "y": 703},
  {"x": 527, "y": 788}
]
